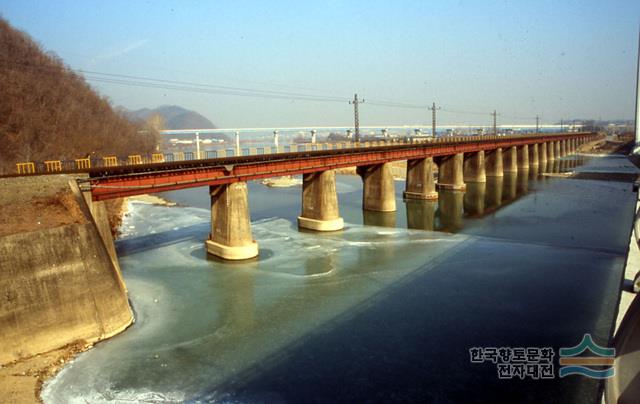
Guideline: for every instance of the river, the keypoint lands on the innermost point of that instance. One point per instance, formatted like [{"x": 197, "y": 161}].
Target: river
[{"x": 384, "y": 311}]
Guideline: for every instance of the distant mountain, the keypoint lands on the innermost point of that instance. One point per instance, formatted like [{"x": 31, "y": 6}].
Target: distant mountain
[{"x": 175, "y": 117}]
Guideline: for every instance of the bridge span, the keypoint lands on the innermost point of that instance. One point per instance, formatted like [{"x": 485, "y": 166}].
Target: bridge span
[{"x": 459, "y": 161}]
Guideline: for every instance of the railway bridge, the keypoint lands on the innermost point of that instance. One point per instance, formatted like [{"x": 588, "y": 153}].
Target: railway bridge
[{"x": 458, "y": 160}]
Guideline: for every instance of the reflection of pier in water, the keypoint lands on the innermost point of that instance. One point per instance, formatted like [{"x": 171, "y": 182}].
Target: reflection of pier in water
[
  {"x": 242, "y": 308},
  {"x": 480, "y": 199}
]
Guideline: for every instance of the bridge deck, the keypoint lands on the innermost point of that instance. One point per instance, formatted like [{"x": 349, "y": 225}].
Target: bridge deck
[{"x": 114, "y": 182}]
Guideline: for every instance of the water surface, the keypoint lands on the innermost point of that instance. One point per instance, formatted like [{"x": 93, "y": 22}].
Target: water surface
[{"x": 385, "y": 310}]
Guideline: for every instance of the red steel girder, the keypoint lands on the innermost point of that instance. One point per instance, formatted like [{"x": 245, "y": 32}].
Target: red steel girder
[{"x": 166, "y": 177}]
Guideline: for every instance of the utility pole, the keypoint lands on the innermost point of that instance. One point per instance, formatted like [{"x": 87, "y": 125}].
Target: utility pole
[
  {"x": 537, "y": 124},
  {"x": 495, "y": 127},
  {"x": 433, "y": 118},
  {"x": 561, "y": 125},
  {"x": 355, "y": 103}
]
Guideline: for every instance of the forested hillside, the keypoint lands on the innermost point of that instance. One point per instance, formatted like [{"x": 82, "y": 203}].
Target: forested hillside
[{"x": 49, "y": 112}]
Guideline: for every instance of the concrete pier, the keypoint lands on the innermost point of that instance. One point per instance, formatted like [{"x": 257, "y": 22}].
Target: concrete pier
[
  {"x": 493, "y": 163},
  {"x": 551, "y": 151},
  {"x": 451, "y": 172},
  {"x": 563, "y": 148},
  {"x": 556, "y": 149},
  {"x": 230, "y": 236},
  {"x": 474, "y": 167},
  {"x": 379, "y": 190},
  {"x": 510, "y": 160},
  {"x": 320, "y": 210},
  {"x": 523, "y": 157},
  {"x": 420, "y": 182},
  {"x": 542, "y": 153},
  {"x": 534, "y": 159}
]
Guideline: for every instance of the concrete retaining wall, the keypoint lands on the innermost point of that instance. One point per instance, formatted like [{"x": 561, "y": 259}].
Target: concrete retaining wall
[{"x": 59, "y": 285}]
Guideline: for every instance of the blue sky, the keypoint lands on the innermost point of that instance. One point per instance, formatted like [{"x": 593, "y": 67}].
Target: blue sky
[{"x": 558, "y": 59}]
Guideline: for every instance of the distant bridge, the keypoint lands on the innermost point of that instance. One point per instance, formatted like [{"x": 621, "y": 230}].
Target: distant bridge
[{"x": 410, "y": 128}]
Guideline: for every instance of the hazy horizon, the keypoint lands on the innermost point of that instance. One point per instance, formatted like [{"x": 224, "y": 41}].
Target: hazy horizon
[{"x": 557, "y": 60}]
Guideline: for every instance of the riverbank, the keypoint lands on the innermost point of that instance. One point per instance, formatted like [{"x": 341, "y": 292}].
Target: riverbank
[
  {"x": 62, "y": 291},
  {"x": 21, "y": 381}
]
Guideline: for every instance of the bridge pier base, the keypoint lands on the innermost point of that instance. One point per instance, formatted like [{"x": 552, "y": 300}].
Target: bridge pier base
[
  {"x": 474, "y": 167},
  {"x": 320, "y": 210},
  {"x": 379, "y": 189},
  {"x": 420, "y": 182},
  {"x": 523, "y": 157},
  {"x": 451, "y": 172},
  {"x": 510, "y": 160},
  {"x": 551, "y": 151},
  {"x": 230, "y": 236},
  {"x": 493, "y": 163}
]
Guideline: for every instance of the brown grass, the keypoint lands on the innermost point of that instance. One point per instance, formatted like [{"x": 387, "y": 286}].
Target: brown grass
[{"x": 41, "y": 213}]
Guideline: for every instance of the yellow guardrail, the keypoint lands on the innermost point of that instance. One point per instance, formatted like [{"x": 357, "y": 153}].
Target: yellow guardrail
[
  {"x": 157, "y": 158},
  {"x": 26, "y": 168},
  {"x": 111, "y": 161},
  {"x": 83, "y": 163},
  {"x": 135, "y": 159},
  {"x": 53, "y": 165}
]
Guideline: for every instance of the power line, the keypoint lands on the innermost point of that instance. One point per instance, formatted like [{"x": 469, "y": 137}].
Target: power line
[
  {"x": 149, "y": 82},
  {"x": 137, "y": 83},
  {"x": 206, "y": 88},
  {"x": 211, "y": 86},
  {"x": 453, "y": 111},
  {"x": 395, "y": 105}
]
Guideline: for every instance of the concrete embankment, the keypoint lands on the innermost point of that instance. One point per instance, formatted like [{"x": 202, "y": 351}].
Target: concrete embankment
[{"x": 59, "y": 278}]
